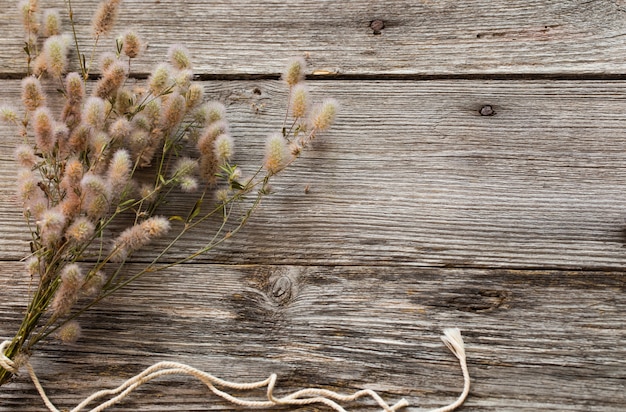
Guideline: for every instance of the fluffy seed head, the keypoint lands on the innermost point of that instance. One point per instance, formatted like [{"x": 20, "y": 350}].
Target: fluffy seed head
[
  {"x": 55, "y": 50},
  {"x": 194, "y": 95},
  {"x": 276, "y": 153},
  {"x": 69, "y": 332},
  {"x": 124, "y": 101},
  {"x": 184, "y": 166},
  {"x": 216, "y": 112},
  {"x": 94, "y": 113},
  {"x": 106, "y": 59},
  {"x": 224, "y": 148},
  {"x": 95, "y": 196},
  {"x": 79, "y": 137},
  {"x": 28, "y": 10},
  {"x": 8, "y": 115},
  {"x": 33, "y": 266},
  {"x": 105, "y": 16},
  {"x": 173, "y": 112},
  {"x": 324, "y": 114},
  {"x": 138, "y": 236},
  {"x": 112, "y": 79},
  {"x": 183, "y": 80},
  {"x": 43, "y": 127},
  {"x": 188, "y": 184},
  {"x": 27, "y": 187},
  {"x": 131, "y": 44},
  {"x": 51, "y": 23},
  {"x": 299, "y": 100},
  {"x": 120, "y": 130},
  {"x": 51, "y": 224},
  {"x": 32, "y": 93},
  {"x": 80, "y": 231},
  {"x": 294, "y": 72},
  {"x": 179, "y": 57},
  {"x": 119, "y": 172},
  {"x": 216, "y": 129},
  {"x": 74, "y": 87},
  {"x": 152, "y": 113},
  {"x": 72, "y": 280},
  {"x": 25, "y": 156},
  {"x": 61, "y": 136},
  {"x": 93, "y": 284},
  {"x": 160, "y": 79}
]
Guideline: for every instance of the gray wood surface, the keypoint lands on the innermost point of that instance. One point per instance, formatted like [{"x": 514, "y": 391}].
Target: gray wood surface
[
  {"x": 421, "y": 37},
  {"x": 415, "y": 213}
]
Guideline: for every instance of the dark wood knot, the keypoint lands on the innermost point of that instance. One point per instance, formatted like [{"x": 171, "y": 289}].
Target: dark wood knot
[
  {"x": 487, "y": 110},
  {"x": 377, "y": 26},
  {"x": 281, "y": 289}
]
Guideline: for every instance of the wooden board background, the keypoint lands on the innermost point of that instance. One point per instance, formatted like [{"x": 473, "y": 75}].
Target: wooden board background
[{"x": 420, "y": 213}]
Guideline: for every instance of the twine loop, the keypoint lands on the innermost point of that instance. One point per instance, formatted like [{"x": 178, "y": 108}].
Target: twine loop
[
  {"x": 6, "y": 363},
  {"x": 452, "y": 339}
]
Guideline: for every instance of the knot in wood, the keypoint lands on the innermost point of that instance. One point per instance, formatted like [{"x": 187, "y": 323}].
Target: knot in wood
[
  {"x": 487, "y": 110},
  {"x": 377, "y": 25},
  {"x": 281, "y": 289}
]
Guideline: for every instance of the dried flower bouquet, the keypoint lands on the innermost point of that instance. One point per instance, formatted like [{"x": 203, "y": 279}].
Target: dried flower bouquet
[{"x": 92, "y": 177}]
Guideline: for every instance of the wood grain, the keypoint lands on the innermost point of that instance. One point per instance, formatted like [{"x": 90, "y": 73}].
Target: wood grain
[
  {"x": 415, "y": 213},
  {"x": 412, "y": 174},
  {"x": 546, "y": 340},
  {"x": 426, "y": 37}
]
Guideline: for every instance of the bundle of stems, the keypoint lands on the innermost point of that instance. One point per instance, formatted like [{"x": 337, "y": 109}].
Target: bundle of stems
[{"x": 94, "y": 177}]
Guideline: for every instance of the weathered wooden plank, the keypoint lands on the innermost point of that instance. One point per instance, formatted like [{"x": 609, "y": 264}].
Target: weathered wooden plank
[
  {"x": 413, "y": 174},
  {"x": 419, "y": 37},
  {"x": 536, "y": 340}
]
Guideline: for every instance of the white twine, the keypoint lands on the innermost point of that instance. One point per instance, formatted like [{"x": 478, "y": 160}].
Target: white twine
[{"x": 452, "y": 339}]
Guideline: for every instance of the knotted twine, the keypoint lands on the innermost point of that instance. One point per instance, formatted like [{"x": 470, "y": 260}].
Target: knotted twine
[{"x": 451, "y": 338}]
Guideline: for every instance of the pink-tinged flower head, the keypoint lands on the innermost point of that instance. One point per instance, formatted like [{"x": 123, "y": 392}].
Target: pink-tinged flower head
[
  {"x": 124, "y": 101},
  {"x": 139, "y": 235},
  {"x": 25, "y": 156},
  {"x": 173, "y": 112},
  {"x": 104, "y": 18},
  {"x": 94, "y": 113},
  {"x": 131, "y": 44},
  {"x": 95, "y": 196},
  {"x": 112, "y": 79},
  {"x": 80, "y": 231},
  {"x": 72, "y": 279},
  {"x": 120, "y": 130},
  {"x": 106, "y": 59},
  {"x": 74, "y": 87},
  {"x": 29, "y": 11},
  {"x": 32, "y": 93},
  {"x": 51, "y": 224},
  {"x": 118, "y": 175},
  {"x": 43, "y": 127}
]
